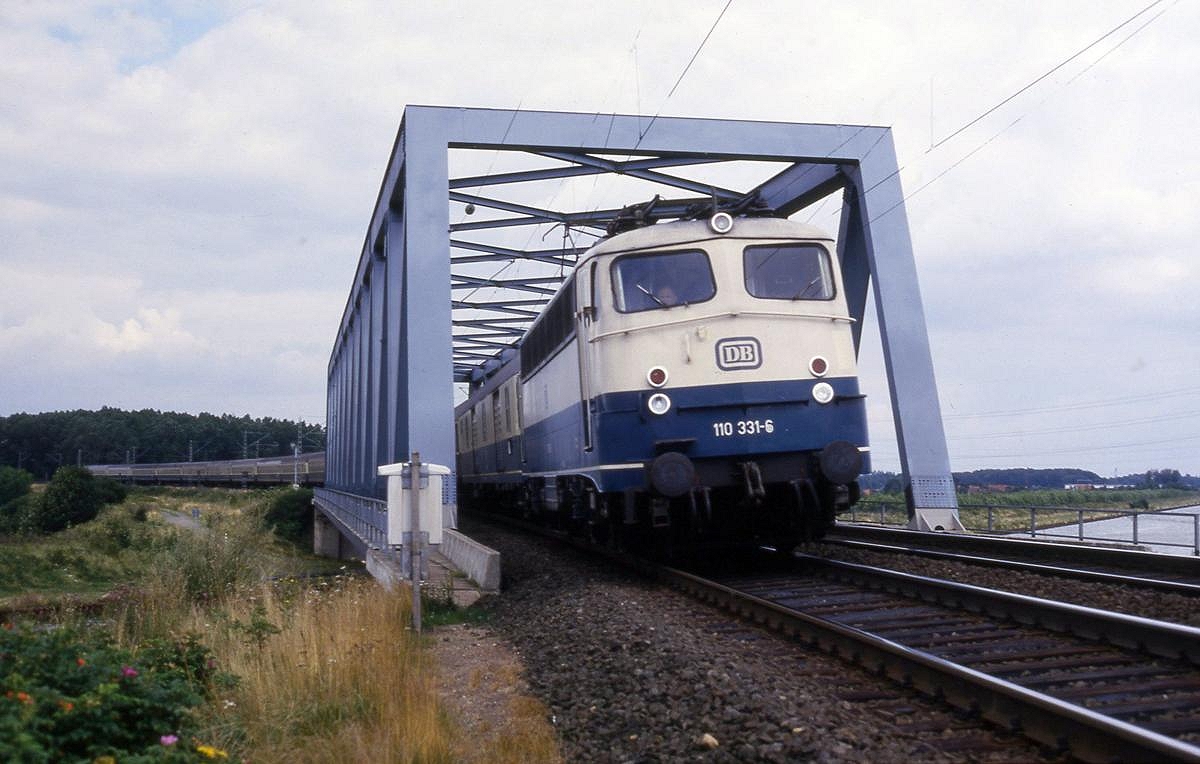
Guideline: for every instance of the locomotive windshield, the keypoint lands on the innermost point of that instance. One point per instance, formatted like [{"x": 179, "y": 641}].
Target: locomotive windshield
[
  {"x": 662, "y": 280},
  {"x": 788, "y": 272}
]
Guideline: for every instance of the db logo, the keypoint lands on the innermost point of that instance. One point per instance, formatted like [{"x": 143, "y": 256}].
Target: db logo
[{"x": 739, "y": 353}]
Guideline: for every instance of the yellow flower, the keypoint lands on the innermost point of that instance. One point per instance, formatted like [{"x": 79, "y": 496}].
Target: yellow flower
[{"x": 211, "y": 752}]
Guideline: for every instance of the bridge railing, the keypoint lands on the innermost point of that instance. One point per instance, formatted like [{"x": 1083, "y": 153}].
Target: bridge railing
[
  {"x": 1175, "y": 528},
  {"x": 364, "y": 516}
]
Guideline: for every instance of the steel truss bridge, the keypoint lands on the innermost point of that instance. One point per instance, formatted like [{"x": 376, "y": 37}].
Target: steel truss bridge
[{"x": 482, "y": 213}]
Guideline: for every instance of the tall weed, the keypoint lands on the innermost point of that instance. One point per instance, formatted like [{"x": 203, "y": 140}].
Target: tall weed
[{"x": 328, "y": 672}]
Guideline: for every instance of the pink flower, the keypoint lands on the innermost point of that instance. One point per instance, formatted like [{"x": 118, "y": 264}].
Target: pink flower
[
  {"x": 129, "y": 672},
  {"x": 168, "y": 739}
]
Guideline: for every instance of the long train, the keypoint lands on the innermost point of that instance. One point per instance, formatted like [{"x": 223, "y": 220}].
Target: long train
[
  {"x": 305, "y": 469},
  {"x": 692, "y": 384}
]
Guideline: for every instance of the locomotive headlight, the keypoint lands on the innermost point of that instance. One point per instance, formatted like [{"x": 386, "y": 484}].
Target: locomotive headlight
[
  {"x": 818, "y": 366},
  {"x": 657, "y": 376},
  {"x": 722, "y": 222},
  {"x": 659, "y": 404},
  {"x": 822, "y": 392}
]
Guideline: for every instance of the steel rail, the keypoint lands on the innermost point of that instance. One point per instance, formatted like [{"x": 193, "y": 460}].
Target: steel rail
[
  {"x": 1026, "y": 548},
  {"x": 1062, "y": 725},
  {"x": 1168, "y": 640},
  {"x": 1059, "y": 571},
  {"x": 1087, "y": 734}
]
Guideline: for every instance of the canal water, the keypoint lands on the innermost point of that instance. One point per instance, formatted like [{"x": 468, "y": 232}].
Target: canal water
[{"x": 1172, "y": 531}]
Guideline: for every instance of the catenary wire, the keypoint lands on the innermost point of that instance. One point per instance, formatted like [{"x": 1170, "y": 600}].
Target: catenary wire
[
  {"x": 1058, "y": 66},
  {"x": 1078, "y": 406},
  {"x": 1009, "y": 126}
]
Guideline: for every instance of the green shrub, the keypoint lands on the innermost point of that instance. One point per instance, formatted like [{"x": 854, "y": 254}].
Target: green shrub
[
  {"x": 69, "y": 695},
  {"x": 14, "y": 484},
  {"x": 290, "y": 515},
  {"x": 113, "y": 532},
  {"x": 111, "y": 491},
  {"x": 72, "y": 497},
  {"x": 19, "y": 516}
]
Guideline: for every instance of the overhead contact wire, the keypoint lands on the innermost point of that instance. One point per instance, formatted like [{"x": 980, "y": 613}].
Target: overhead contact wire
[{"x": 1060, "y": 65}]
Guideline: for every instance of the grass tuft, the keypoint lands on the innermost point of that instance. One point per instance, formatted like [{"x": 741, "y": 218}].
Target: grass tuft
[{"x": 338, "y": 676}]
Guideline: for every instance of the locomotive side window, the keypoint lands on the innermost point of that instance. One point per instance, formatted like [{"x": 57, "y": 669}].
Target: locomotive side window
[
  {"x": 662, "y": 280},
  {"x": 788, "y": 272}
]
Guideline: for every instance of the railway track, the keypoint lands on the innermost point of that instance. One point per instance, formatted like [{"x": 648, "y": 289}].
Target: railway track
[
  {"x": 615, "y": 654},
  {"x": 1178, "y": 574},
  {"x": 1090, "y": 684},
  {"x": 1100, "y": 686}
]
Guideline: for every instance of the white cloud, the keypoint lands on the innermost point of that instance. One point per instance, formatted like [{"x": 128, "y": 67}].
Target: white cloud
[
  {"x": 184, "y": 187},
  {"x": 152, "y": 330}
]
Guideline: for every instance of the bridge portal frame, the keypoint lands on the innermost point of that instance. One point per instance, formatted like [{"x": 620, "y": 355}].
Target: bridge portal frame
[{"x": 396, "y": 352}]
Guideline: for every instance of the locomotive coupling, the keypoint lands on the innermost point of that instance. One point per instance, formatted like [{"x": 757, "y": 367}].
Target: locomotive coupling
[
  {"x": 841, "y": 462},
  {"x": 672, "y": 474}
]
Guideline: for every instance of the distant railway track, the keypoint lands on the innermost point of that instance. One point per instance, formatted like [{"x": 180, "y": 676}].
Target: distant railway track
[
  {"x": 305, "y": 469},
  {"x": 1101, "y": 686},
  {"x": 1179, "y": 574}
]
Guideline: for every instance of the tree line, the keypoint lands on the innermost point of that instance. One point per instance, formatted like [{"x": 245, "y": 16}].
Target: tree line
[
  {"x": 1025, "y": 477},
  {"x": 41, "y": 443}
]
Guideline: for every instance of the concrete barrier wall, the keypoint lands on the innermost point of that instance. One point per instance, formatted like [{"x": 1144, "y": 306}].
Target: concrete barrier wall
[
  {"x": 385, "y": 568},
  {"x": 479, "y": 562}
]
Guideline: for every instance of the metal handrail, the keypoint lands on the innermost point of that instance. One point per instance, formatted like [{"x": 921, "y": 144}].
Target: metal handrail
[
  {"x": 364, "y": 516},
  {"x": 868, "y": 511}
]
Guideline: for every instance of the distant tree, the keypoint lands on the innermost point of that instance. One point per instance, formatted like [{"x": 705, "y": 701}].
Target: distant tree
[
  {"x": 1025, "y": 477},
  {"x": 1163, "y": 479},
  {"x": 41, "y": 443},
  {"x": 876, "y": 480}
]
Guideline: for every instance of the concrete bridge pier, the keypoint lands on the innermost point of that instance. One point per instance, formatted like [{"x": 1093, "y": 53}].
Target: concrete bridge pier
[{"x": 328, "y": 541}]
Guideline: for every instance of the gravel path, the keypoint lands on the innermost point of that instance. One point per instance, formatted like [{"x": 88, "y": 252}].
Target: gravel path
[{"x": 631, "y": 672}]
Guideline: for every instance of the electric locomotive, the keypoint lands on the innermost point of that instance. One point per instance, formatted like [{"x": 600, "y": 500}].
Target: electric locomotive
[{"x": 692, "y": 384}]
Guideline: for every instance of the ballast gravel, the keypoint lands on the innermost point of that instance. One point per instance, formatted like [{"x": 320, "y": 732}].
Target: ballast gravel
[{"x": 633, "y": 672}]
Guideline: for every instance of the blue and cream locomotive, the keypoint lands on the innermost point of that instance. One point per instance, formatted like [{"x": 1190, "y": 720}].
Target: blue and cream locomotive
[{"x": 692, "y": 382}]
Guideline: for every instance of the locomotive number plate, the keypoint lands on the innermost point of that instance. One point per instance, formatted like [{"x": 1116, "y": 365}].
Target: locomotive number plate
[{"x": 743, "y": 427}]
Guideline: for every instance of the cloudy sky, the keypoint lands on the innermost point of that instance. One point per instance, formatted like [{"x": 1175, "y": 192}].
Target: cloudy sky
[{"x": 185, "y": 186}]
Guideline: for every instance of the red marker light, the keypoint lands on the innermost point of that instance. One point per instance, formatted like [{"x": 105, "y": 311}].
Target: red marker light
[
  {"x": 818, "y": 366},
  {"x": 657, "y": 376}
]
